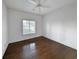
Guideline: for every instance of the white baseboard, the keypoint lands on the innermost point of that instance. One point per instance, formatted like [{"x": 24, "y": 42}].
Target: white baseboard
[{"x": 61, "y": 43}]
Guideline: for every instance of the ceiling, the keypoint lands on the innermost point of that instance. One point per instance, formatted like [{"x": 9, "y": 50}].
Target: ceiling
[{"x": 26, "y": 6}]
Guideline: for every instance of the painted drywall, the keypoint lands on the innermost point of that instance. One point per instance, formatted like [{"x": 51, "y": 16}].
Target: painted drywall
[
  {"x": 4, "y": 28},
  {"x": 15, "y": 25},
  {"x": 60, "y": 25}
]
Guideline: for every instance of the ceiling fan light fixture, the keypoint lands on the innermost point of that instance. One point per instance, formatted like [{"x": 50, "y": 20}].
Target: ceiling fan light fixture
[{"x": 38, "y": 5}]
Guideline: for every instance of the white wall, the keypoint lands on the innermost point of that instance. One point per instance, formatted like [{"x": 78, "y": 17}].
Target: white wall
[
  {"x": 4, "y": 28},
  {"x": 60, "y": 25},
  {"x": 15, "y": 29}
]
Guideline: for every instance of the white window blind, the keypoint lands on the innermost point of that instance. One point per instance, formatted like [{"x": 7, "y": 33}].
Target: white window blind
[{"x": 28, "y": 27}]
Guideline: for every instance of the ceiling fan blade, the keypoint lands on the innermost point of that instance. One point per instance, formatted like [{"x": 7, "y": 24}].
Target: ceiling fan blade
[{"x": 32, "y": 2}]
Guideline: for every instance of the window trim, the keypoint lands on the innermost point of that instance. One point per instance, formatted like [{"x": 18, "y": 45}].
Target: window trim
[{"x": 22, "y": 27}]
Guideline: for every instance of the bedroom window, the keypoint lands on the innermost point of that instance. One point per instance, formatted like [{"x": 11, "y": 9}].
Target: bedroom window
[{"x": 28, "y": 27}]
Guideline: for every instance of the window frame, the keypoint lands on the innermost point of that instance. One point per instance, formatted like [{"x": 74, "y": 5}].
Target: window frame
[{"x": 29, "y": 27}]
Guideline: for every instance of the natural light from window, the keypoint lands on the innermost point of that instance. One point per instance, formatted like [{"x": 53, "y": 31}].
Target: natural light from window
[{"x": 28, "y": 27}]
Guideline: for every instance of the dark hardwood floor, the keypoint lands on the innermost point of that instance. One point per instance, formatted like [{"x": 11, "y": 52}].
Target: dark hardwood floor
[{"x": 39, "y": 48}]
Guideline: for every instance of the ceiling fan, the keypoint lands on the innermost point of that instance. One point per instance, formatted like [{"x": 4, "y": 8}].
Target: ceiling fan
[{"x": 38, "y": 4}]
